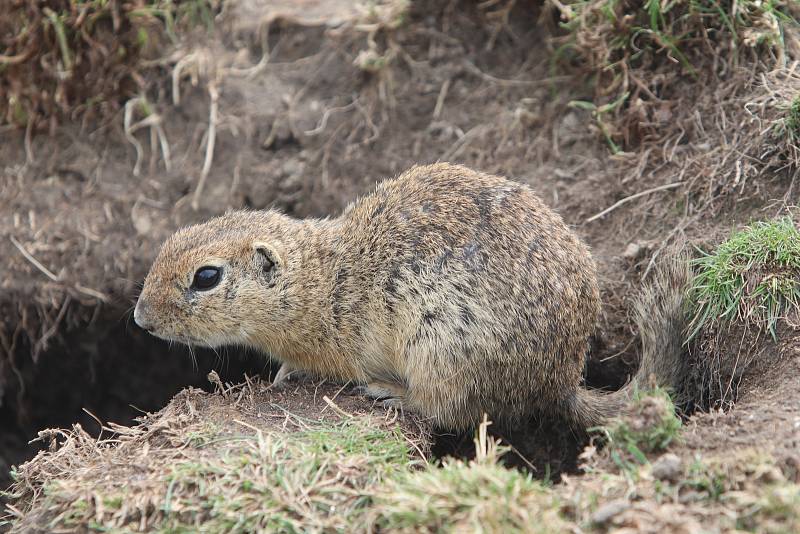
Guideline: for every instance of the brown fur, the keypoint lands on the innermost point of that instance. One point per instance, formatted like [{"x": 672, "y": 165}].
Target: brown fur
[{"x": 455, "y": 292}]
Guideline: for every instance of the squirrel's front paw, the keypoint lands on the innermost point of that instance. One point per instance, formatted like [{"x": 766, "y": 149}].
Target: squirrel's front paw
[{"x": 283, "y": 375}]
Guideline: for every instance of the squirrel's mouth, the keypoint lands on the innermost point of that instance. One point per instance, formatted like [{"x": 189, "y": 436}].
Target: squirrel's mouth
[
  {"x": 172, "y": 337},
  {"x": 212, "y": 341}
]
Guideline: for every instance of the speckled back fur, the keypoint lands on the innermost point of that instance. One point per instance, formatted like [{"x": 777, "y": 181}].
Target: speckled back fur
[{"x": 479, "y": 292}]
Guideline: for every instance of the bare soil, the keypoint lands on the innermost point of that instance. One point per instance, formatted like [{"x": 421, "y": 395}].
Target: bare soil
[
  {"x": 300, "y": 126},
  {"x": 766, "y": 414}
]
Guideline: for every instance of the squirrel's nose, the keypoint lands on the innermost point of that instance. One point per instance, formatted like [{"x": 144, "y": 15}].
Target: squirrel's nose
[{"x": 140, "y": 316}]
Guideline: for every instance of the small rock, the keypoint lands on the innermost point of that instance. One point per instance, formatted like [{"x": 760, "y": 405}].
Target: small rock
[
  {"x": 571, "y": 121},
  {"x": 242, "y": 58},
  {"x": 609, "y": 511},
  {"x": 280, "y": 135},
  {"x": 790, "y": 467},
  {"x": 445, "y": 130},
  {"x": 692, "y": 496},
  {"x": 636, "y": 249},
  {"x": 668, "y": 467},
  {"x": 142, "y": 222},
  {"x": 771, "y": 475},
  {"x": 663, "y": 114},
  {"x": 293, "y": 167}
]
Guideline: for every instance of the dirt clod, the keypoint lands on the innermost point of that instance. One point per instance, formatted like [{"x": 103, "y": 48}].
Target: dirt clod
[
  {"x": 668, "y": 467},
  {"x": 609, "y": 511}
]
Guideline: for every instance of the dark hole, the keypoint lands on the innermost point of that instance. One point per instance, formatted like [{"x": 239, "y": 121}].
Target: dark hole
[{"x": 115, "y": 372}]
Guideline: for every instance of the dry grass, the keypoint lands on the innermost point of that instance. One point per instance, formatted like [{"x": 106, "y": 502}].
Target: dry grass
[
  {"x": 643, "y": 54},
  {"x": 72, "y": 60},
  {"x": 697, "y": 95},
  {"x": 737, "y": 141},
  {"x": 728, "y": 146},
  {"x": 469, "y": 497}
]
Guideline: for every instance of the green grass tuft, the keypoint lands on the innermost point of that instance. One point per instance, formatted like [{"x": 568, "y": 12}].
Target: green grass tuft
[
  {"x": 787, "y": 128},
  {"x": 778, "y": 511},
  {"x": 793, "y": 117},
  {"x": 469, "y": 497},
  {"x": 649, "y": 427},
  {"x": 709, "y": 481},
  {"x": 753, "y": 278}
]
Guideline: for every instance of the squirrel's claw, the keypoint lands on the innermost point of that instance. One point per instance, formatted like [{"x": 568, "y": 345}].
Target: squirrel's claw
[{"x": 282, "y": 376}]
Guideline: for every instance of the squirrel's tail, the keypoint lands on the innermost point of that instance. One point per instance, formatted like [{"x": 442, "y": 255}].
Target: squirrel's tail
[{"x": 661, "y": 315}]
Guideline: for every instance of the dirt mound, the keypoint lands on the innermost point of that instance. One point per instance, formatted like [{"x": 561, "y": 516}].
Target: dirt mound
[
  {"x": 313, "y": 458},
  {"x": 328, "y": 452}
]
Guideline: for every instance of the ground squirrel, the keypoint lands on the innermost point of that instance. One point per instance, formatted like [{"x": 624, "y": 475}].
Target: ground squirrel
[{"x": 446, "y": 291}]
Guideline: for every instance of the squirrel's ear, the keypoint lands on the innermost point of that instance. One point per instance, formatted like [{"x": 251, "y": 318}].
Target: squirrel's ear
[{"x": 269, "y": 257}]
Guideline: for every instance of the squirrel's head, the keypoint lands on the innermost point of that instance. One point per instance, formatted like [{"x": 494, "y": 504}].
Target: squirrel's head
[{"x": 217, "y": 283}]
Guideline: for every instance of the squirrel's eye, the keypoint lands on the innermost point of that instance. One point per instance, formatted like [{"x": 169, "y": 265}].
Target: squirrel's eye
[{"x": 206, "y": 277}]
